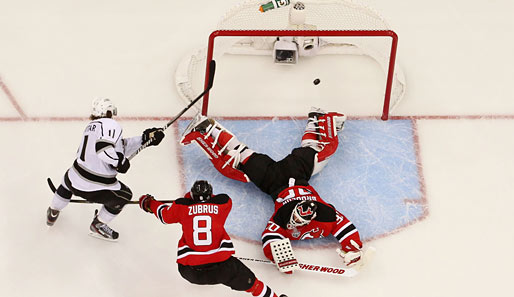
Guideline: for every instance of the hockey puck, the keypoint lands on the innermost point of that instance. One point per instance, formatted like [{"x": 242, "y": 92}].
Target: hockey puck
[{"x": 316, "y": 81}]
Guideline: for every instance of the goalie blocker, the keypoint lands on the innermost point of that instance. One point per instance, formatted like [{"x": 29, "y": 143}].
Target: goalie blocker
[{"x": 283, "y": 256}]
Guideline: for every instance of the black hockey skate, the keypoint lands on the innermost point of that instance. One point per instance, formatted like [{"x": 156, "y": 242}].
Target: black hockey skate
[
  {"x": 51, "y": 216},
  {"x": 101, "y": 230}
]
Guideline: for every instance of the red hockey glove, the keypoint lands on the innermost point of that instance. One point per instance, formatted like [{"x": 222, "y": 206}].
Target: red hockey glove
[{"x": 144, "y": 202}]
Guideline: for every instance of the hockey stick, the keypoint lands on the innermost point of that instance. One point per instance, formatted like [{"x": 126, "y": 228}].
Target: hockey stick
[
  {"x": 212, "y": 69},
  {"x": 52, "y": 187},
  {"x": 339, "y": 271}
]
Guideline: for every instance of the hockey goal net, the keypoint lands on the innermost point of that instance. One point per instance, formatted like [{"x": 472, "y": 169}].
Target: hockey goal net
[{"x": 297, "y": 34}]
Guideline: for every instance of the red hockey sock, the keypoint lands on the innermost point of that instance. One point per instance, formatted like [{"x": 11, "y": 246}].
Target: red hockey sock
[{"x": 261, "y": 289}]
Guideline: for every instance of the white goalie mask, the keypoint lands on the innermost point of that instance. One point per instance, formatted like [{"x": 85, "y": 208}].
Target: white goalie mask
[
  {"x": 101, "y": 106},
  {"x": 303, "y": 213}
]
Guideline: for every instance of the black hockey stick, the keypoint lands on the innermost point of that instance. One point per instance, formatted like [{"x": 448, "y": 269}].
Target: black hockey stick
[
  {"x": 212, "y": 69},
  {"x": 52, "y": 187}
]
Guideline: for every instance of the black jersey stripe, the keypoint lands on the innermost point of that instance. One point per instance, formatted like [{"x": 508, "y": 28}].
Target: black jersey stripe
[
  {"x": 268, "y": 292},
  {"x": 160, "y": 208},
  {"x": 267, "y": 238},
  {"x": 101, "y": 145},
  {"x": 341, "y": 234},
  {"x": 184, "y": 251},
  {"x": 93, "y": 177}
]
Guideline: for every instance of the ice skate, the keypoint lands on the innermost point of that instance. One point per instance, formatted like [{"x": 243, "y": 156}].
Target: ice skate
[
  {"x": 317, "y": 115},
  {"x": 51, "y": 216},
  {"x": 101, "y": 230},
  {"x": 200, "y": 124}
]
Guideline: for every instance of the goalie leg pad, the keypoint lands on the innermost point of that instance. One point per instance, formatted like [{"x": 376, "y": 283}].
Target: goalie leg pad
[
  {"x": 283, "y": 255},
  {"x": 222, "y": 147},
  {"x": 321, "y": 133}
]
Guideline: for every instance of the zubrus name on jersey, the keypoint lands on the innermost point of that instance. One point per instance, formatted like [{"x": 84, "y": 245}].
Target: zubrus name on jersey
[{"x": 201, "y": 208}]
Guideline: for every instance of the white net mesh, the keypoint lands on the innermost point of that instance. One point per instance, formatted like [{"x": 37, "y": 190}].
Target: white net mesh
[{"x": 316, "y": 16}]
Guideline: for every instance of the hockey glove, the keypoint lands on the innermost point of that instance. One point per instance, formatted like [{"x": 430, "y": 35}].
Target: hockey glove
[
  {"x": 351, "y": 258},
  {"x": 123, "y": 163},
  {"x": 155, "y": 135},
  {"x": 144, "y": 202}
]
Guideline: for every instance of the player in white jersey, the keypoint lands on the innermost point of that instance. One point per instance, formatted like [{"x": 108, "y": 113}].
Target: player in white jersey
[{"x": 102, "y": 154}]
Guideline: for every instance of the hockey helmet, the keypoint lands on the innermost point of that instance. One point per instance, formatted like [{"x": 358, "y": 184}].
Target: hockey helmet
[
  {"x": 201, "y": 191},
  {"x": 303, "y": 213},
  {"x": 101, "y": 106}
]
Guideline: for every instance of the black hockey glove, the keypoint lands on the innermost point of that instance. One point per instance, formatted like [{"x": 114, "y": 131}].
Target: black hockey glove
[
  {"x": 155, "y": 134},
  {"x": 144, "y": 202},
  {"x": 123, "y": 163}
]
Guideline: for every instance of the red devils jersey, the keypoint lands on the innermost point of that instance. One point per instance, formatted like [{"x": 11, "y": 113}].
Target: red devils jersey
[
  {"x": 327, "y": 221},
  {"x": 204, "y": 239}
]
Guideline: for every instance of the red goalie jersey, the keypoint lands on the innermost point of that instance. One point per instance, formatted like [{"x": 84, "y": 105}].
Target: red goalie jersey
[
  {"x": 327, "y": 221},
  {"x": 204, "y": 239}
]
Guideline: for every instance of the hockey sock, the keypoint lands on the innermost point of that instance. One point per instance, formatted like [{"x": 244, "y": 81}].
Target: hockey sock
[
  {"x": 105, "y": 216},
  {"x": 261, "y": 289},
  {"x": 61, "y": 198}
]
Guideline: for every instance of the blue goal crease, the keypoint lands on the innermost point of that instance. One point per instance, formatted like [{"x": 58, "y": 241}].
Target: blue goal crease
[{"x": 368, "y": 179}]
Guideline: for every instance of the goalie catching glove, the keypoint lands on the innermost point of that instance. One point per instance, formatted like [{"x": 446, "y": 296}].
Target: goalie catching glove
[
  {"x": 154, "y": 135},
  {"x": 351, "y": 258}
]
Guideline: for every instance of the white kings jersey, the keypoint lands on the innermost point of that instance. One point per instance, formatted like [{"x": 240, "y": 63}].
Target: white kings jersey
[{"x": 97, "y": 158}]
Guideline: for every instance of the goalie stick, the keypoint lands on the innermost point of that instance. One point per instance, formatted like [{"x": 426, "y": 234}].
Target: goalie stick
[
  {"x": 52, "y": 187},
  {"x": 212, "y": 69},
  {"x": 322, "y": 269}
]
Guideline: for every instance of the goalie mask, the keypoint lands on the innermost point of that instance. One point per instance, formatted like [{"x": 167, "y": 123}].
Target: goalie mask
[
  {"x": 303, "y": 213},
  {"x": 201, "y": 191},
  {"x": 101, "y": 106}
]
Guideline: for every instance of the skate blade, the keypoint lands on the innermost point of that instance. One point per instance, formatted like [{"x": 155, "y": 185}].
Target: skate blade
[{"x": 96, "y": 235}]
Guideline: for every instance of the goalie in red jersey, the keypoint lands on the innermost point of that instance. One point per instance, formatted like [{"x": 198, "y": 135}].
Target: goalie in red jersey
[
  {"x": 300, "y": 213},
  {"x": 205, "y": 250}
]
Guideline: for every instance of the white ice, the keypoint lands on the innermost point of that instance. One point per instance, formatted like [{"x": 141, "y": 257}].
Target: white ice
[{"x": 56, "y": 55}]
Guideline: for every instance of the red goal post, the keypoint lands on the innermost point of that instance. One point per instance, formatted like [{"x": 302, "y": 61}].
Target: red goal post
[{"x": 309, "y": 33}]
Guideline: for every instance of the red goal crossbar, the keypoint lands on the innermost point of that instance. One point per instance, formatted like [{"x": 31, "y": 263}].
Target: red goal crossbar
[{"x": 310, "y": 33}]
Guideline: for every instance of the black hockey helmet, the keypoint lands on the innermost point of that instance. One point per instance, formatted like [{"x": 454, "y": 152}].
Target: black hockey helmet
[
  {"x": 303, "y": 213},
  {"x": 201, "y": 191}
]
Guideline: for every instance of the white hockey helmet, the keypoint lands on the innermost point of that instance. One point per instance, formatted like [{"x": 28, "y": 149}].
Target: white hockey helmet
[{"x": 101, "y": 106}]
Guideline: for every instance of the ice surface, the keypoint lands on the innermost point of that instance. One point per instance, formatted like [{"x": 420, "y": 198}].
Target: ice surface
[{"x": 57, "y": 55}]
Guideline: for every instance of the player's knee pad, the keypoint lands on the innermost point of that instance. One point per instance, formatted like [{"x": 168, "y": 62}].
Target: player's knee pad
[
  {"x": 118, "y": 200},
  {"x": 64, "y": 192},
  {"x": 321, "y": 134},
  {"x": 224, "y": 150}
]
